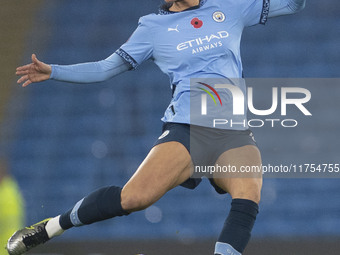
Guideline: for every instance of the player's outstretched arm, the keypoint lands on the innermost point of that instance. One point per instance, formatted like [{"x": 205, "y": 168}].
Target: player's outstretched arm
[
  {"x": 37, "y": 71},
  {"x": 90, "y": 72}
]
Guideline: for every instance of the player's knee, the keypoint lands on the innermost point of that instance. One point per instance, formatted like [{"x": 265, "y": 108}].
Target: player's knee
[
  {"x": 254, "y": 196},
  {"x": 134, "y": 202},
  {"x": 251, "y": 191}
]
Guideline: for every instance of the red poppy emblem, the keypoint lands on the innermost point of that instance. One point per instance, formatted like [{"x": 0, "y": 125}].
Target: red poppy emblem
[{"x": 197, "y": 23}]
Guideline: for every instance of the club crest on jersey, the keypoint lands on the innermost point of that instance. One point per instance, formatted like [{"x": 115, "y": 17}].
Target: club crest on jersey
[{"x": 219, "y": 16}]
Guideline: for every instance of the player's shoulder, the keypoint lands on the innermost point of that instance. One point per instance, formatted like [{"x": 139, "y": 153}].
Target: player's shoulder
[
  {"x": 148, "y": 20},
  {"x": 155, "y": 21}
]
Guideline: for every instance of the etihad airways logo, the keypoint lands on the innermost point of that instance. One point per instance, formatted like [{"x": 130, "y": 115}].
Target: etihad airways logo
[{"x": 204, "y": 43}]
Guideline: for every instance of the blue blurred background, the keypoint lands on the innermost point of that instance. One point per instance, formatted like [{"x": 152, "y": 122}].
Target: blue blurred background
[{"x": 65, "y": 140}]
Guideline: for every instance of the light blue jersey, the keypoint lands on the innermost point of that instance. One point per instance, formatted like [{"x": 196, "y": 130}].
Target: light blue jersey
[{"x": 201, "y": 42}]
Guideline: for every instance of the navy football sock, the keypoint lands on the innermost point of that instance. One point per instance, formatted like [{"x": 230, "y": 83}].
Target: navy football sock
[
  {"x": 105, "y": 203},
  {"x": 237, "y": 228}
]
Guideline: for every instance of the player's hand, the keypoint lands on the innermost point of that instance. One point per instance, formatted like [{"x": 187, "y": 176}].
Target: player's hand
[{"x": 35, "y": 72}]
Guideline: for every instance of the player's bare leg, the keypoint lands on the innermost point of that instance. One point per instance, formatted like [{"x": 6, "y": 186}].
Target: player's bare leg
[
  {"x": 167, "y": 165},
  {"x": 245, "y": 190},
  {"x": 241, "y": 185}
]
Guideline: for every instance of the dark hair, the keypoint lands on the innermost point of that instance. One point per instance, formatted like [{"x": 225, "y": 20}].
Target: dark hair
[{"x": 166, "y": 6}]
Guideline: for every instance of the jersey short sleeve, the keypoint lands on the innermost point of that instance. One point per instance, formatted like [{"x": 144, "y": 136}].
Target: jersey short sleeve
[
  {"x": 139, "y": 46},
  {"x": 254, "y": 11}
]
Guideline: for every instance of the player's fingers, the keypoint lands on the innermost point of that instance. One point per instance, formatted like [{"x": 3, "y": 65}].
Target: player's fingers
[
  {"x": 35, "y": 60},
  {"x": 22, "y": 79},
  {"x": 28, "y": 82},
  {"x": 25, "y": 67},
  {"x": 21, "y": 72}
]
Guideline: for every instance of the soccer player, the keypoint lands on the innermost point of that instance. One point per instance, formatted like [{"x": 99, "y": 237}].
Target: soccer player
[{"x": 187, "y": 39}]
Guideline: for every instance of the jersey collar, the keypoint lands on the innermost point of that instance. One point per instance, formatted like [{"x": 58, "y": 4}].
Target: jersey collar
[{"x": 166, "y": 12}]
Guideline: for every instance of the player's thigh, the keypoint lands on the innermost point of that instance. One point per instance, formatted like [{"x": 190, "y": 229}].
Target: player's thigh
[
  {"x": 166, "y": 166},
  {"x": 246, "y": 183}
]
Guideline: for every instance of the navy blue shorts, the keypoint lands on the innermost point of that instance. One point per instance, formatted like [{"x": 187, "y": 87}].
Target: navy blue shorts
[{"x": 209, "y": 144}]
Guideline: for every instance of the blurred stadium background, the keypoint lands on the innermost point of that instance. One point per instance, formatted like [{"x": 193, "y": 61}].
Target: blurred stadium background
[{"x": 63, "y": 140}]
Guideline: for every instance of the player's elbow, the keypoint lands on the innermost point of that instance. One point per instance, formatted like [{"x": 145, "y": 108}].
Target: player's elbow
[{"x": 297, "y": 5}]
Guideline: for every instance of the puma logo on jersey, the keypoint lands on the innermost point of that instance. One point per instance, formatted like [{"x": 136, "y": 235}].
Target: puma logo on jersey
[{"x": 173, "y": 29}]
